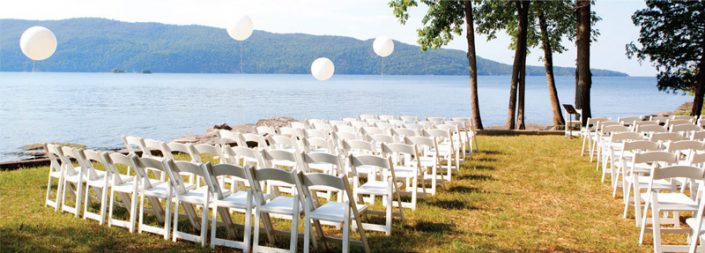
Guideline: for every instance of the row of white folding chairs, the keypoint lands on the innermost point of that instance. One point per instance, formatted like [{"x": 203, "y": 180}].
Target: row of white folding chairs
[
  {"x": 443, "y": 146},
  {"x": 594, "y": 132},
  {"x": 152, "y": 188},
  {"x": 667, "y": 172}
]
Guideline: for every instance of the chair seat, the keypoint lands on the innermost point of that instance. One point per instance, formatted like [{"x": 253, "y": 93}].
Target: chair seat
[
  {"x": 233, "y": 200},
  {"x": 55, "y": 174},
  {"x": 198, "y": 196},
  {"x": 281, "y": 205},
  {"x": 127, "y": 186},
  {"x": 693, "y": 223},
  {"x": 334, "y": 211},
  {"x": 404, "y": 172},
  {"x": 376, "y": 188},
  {"x": 98, "y": 181},
  {"x": 160, "y": 190},
  {"x": 674, "y": 202},
  {"x": 644, "y": 182}
]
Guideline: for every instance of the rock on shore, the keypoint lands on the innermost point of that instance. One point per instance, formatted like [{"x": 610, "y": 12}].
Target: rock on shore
[{"x": 211, "y": 135}]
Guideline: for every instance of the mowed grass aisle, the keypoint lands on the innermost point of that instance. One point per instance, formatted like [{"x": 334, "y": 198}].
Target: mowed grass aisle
[{"x": 520, "y": 193}]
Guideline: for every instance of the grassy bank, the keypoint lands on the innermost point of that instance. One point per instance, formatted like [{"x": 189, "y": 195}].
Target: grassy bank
[{"x": 524, "y": 193}]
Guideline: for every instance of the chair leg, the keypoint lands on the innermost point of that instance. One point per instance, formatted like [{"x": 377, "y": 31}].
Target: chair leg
[
  {"x": 643, "y": 221},
  {"x": 133, "y": 210},
  {"x": 85, "y": 200},
  {"x": 346, "y": 230},
  {"x": 141, "y": 218},
  {"x": 103, "y": 201},
  {"x": 656, "y": 229},
  {"x": 255, "y": 240},
  {"x": 294, "y": 227},
  {"x": 214, "y": 223},
  {"x": 110, "y": 209},
  {"x": 307, "y": 233},
  {"x": 176, "y": 221},
  {"x": 204, "y": 223},
  {"x": 248, "y": 228},
  {"x": 388, "y": 221}
]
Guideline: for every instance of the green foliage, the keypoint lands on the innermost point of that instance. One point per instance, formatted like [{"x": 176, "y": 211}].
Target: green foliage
[
  {"x": 101, "y": 45},
  {"x": 496, "y": 16},
  {"x": 672, "y": 35},
  {"x": 444, "y": 19}
]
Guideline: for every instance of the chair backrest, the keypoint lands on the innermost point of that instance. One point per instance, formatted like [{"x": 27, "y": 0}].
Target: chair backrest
[
  {"x": 304, "y": 183},
  {"x": 277, "y": 141},
  {"x": 274, "y": 158},
  {"x": 625, "y": 136},
  {"x": 69, "y": 154},
  {"x": 318, "y": 144},
  {"x": 358, "y": 147},
  {"x": 387, "y": 117},
  {"x": 655, "y": 156},
  {"x": 90, "y": 159},
  {"x": 238, "y": 154},
  {"x": 372, "y": 130},
  {"x": 614, "y": 128},
  {"x": 380, "y": 138},
  {"x": 666, "y": 137},
  {"x": 401, "y": 153},
  {"x": 345, "y": 129},
  {"x": 115, "y": 159},
  {"x": 256, "y": 138},
  {"x": 340, "y": 136},
  {"x": 681, "y": 117},
  {"x": 678, "y": 171},
  {"x": 697, "y": 159},
  {"x": 133, "y": 144},
  {"x": 53, "y": 152},
  {"x": 297, "y": 133},
  {"x": 262, "y": 176},
  {"x": 409, "y": 119},
  {"x": 221, "y": 170},
  {"x": 214, "y": 151},
  {"x": 178, "y": 168},
  {"x": 403, "y": 132},
  {"x": 142, "y": 165},
  {"x": 323, "y": 126},
  {"x": 368, "y": 116},
  {"x": 181, "y": 148},
  {"x": 151, "y": 145},
  {"x": 688, "y": 127},
  {"x": 593, "y": 122},
  {"x": 629, "y": 120},
  {"x": 640, "y": 145},
  {"x": 423, "y": 142},
  {"x": 656, "y": 128},
  {"x": 698, "y": 136},
  {"x": 335, "y": 123},
  {"x": 298, "y": 125},
  {"x": 672, "y": 122},
  {"x": 265, "y": 130},
  {"x": 685, "y": 145},
  {"x": 317, "y": 133},
  {"x": 321, "y": 158},
  {"x": 378, "y": 162},
  {"x": 227, "y": 137},
  {"x": 659, "y": 119}
]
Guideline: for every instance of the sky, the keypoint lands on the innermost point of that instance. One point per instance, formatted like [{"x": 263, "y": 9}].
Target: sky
[{"x": 361, "y": 19}]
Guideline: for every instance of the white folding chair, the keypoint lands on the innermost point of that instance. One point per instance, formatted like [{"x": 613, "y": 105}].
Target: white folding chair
[
  {"x": 56, "y": 165},
  {"x": 125, "y": 186},
  {"x": 74, "y": 179},
  {"x": 345, "y": 211},
  {"x": 223, "y": 201},
  {"x": 448, "y": 156},
  {"x": 427, "y": 160},
  {"x": 189, "y": 198},
  {"x": 660, "y": 201},
  {"x": 277, "y": 205},
  {"x": 623, "y": 162},
  {"x": 386, "y": 186},
  {"x": 407, "y": 167},
  {"x": 265, "y": 130},
  {"x": 155, "y": 191},
  {"x": 638, "y": 178},
  {"x": 99, "y": 181}
]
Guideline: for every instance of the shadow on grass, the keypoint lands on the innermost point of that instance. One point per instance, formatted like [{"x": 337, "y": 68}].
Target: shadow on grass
[
  {"x": 477, "y": 177},
  {"x": 483, "y": 167},
  {"x": 434, "y": 227},
  {"x": 466, "y": 189}
]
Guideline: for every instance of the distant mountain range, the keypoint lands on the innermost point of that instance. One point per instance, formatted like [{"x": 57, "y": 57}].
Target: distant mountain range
[{"x": 101, "y": 45}]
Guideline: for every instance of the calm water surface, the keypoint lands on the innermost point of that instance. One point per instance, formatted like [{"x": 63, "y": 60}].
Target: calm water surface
[{"x": 97, "y": 108}]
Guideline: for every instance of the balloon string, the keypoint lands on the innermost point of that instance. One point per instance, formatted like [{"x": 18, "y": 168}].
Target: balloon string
[{"x": 241, "y": 56}]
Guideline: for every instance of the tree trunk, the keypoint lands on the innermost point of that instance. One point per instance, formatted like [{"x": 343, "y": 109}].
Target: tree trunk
[
  {"x": 472, "y": 60},
  {"x": 700, "y": 88},
  {"x": 583, "y": 65},
  {"x": 523, "y": 25},
  {"x": 548, "y": 63},
  {"x": 518, "y": 68}
]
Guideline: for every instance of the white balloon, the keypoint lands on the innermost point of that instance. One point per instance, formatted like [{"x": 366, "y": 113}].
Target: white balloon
[
  {"x": 242, "y": 29},
  {"x": 383, "y": 46},
  {"x": 322, "y": 69},
  {"x": 38, "y": 43}
]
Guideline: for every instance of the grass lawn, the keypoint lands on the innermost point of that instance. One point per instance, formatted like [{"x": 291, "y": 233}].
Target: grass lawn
[{"x": 521, "y": 193}]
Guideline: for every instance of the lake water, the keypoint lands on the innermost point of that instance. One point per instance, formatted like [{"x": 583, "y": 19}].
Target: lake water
[{"x": 96, "y": 109}]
